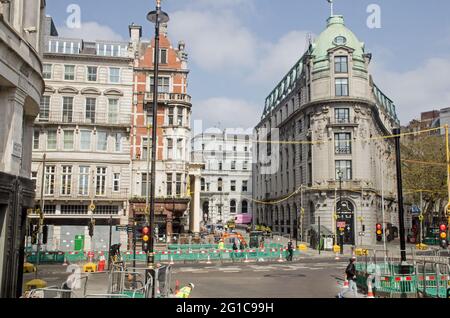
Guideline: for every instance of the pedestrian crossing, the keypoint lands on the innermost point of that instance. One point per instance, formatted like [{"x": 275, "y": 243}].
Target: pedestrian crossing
[{"x": 261, "y": 268}]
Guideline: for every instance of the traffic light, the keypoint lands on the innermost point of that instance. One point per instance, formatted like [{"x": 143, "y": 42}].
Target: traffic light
[
  {"x": 91, "y": 228},
  {"x": 44, "y": 234},
  {"x": 379, "y": 232},
  {"x": 443, "y": 235},
  {"x": 145, "y": 238}
]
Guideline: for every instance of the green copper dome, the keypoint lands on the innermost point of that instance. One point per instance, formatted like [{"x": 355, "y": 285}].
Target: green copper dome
[{"x": 336, "y": 34}]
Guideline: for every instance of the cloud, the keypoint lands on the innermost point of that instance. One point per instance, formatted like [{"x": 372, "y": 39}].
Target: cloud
[
  {"x": 414, "y": 91},
  {"x": 90, "y": 31},
  {"x": 230, "y": 113},
  {"x": 215, "y": 42},
  {"x": 279, "y": 58}
]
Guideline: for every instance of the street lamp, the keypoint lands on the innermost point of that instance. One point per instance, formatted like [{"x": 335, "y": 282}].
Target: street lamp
[
  {"x": 341, "y": 233},
  {"x": 157, "y": 17}
]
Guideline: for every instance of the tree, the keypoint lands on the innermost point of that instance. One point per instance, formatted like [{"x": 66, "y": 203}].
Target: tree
[{"x": 431, "y": 178}]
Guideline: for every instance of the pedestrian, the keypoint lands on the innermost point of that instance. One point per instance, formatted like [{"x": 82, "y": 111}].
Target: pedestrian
[
  {"x": 235, "y": 247},
  {"x": 290, "y": 251},
  {"x": 221, "y": 245},
  {"x": 350, "y": 273},
  {"x": 69, "y": 284},
  {"x": 185, "y": 292}
]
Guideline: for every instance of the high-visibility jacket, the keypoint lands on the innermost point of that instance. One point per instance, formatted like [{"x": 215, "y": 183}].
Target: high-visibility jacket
[
  {"x": 221, "y": 246},
  {"x": 184, "y": 292}
]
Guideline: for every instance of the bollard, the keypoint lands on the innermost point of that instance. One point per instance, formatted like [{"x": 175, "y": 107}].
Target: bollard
[{"x": 171, "y": 260}]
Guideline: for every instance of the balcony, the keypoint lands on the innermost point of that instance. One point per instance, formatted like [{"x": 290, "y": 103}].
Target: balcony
[
  {"x": 342, "y": 122},
  {"x": 168, "y": 98},
  {"x": 86, "y": 119},
  {"x": 343, "y": 150}
]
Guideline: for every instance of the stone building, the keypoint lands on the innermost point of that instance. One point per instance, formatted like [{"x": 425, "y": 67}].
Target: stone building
[
  {"x": 21, "y": 87},
  {"x": 328, "y": 114},
  {"x": 176, "y": 178},
  {"x": 226, "y": 180},
  {"x": 83, "y": 129}
]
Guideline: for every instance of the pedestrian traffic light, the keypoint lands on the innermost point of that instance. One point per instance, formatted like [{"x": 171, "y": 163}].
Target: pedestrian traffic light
[
  {"x": 379, "y": 232},
  {"x": 443, "y": 235},
  {"x": 145, "y": 238},
  {"x": 44, "y": 234}
]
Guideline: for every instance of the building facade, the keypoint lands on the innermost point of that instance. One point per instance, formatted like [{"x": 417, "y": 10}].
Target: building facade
[
  {"x": 226, "y": 180},
  {"x": 83, "y": 130},
  {"x": 176, "y": 178},
  {"x": 21, "y": 87},
  {"x": 319, "y": 145}
]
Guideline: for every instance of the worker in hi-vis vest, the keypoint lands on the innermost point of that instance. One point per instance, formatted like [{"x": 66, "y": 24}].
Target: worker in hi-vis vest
[
  {"x": 185, "y": 291},
  {"x": 221, "y": 245}
]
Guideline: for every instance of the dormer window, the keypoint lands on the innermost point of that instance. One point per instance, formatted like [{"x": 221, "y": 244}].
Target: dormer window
[
  {"x": 341, "y": 64},
  {"x": 340, "y": 40}
]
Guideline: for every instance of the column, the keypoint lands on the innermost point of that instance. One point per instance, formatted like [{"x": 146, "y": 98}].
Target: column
[{"x": 195, "y": 213}]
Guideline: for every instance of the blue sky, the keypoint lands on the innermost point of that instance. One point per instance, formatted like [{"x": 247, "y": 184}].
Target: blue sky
[{"x": 240, "y": 49}]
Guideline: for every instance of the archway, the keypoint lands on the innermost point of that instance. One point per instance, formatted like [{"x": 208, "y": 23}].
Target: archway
[{"x": 205, "y": 212}]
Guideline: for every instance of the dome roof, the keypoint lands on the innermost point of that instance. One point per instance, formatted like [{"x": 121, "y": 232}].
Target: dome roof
[{"x": 336, "y": 34}]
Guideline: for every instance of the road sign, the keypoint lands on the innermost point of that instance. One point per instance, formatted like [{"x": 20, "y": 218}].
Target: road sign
[
  {"x": 121, "y": 228},
  {"x": 130, "y": 229}
]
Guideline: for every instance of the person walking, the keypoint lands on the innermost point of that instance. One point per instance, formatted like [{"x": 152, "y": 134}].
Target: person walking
[
  {"x": 290, "y": 251},
  {"x": 350, "y": 273}
]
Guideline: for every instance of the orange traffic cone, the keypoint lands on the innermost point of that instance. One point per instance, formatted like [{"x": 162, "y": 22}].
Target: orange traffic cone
[{"x": 370, "y": 291}]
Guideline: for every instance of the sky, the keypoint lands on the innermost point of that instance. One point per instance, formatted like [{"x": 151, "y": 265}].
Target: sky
[{"x": 240, "y": 49}]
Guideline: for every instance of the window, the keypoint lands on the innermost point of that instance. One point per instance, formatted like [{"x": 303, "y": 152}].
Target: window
[
  {"x": 341, "y": 86},
  {"x": 244, "y": 186},
  {"x": 343, "y": 144},
  {"x": 178, "y": 184},
  {"x": 220, "y": 166},
  {"x": 144, "y": 184},
  {"x": 163, "y": 56},
  {"x": 100, "y": 181},
  {"x": 45, "y": 108},
  {"x": 342, "y": 115},
  {"x": 113, "y": 111},
  {"x": 345, "y": 166},
  {"x": 85, "y": 140},
  {"x": 180, "y": 116},
  {"x": 116, "y": 182},
  {"x": 92, "y": 73},
  {"x": 114, "y": 75},
  {"x": 66, "y": 180},
  {"x": 102, "y": 141},
  {"x": 34, "y": 178},
  {"x": 49, "y": 182},
  {"x": 68, "y": 139},
  {"x": 219, "y": 184},
  {"x": 163, "y": 84},
  {"x": 169, "y": 184},
  {"x": 233, "y": 206},
  {"x": 146, "y": 148},
  {"x": 244, "y": 207},
  {"x": 90, "y": 110},
  {"x": 341, "y": 64},
  {"x": 202, "y": 184},
  {"x": 47, "y": 71},
  {"x": 149, "y": 116},
  {"x": 51, "y": 140},
  {"x": 245, "y": 165},
  {"x": 83, "y": 182},
  {"x": 69, "y": 72},
  {"x": 169, "y": 154},
  {"x": 233, "y": 185},
  {"x": 300, "y": 126},
  {"x": 233, "y": 165},
  {"x": 118, "y": 142},
  {"x": 180, "y": 149},
  {"x": 36, "y": 135},
  {"x": 170, "y": 116},
  {"x": 67, "y": 109}
]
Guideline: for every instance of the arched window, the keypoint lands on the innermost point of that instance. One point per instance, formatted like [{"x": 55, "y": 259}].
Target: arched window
[
  {"x": 219, "y": 184},
  {"x": 202, "y": 184},
  {"x": 244, "y": 207},
  {"x": 233, "y": 206}
]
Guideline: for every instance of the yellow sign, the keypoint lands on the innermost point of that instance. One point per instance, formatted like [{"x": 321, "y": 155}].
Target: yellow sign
[
  {"x": 421, "y": 217},
  {"x": 92, "y": 207}
]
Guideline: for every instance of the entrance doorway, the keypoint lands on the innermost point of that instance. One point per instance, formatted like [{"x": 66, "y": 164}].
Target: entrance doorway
[{"x": 345, "y": 220}]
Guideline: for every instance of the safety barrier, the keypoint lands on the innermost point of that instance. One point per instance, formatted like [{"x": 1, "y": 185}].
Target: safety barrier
[{"x": 46, "y": 257}]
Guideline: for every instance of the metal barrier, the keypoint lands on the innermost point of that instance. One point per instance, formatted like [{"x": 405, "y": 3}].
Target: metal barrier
[{"x": 433, "y": 279}]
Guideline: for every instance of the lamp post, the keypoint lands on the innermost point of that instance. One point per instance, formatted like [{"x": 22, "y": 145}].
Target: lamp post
[
  {"x": 341, "y": 233},
  {"x": 157, "y": 17}
]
